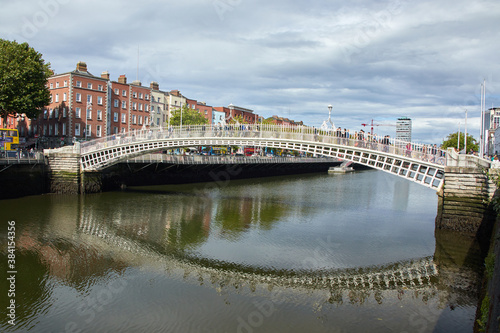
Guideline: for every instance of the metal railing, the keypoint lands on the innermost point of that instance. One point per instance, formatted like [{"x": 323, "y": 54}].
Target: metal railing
[
  {"x": 23, "y": 158},
  {"x": 225, "y": 159}
]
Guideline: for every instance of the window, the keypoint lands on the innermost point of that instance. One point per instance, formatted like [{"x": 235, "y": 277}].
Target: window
[
  {"x": 65, "y": 96},
  {"x": 89, "y": 130},
  {"x": 57, "y": 84},
  {"x": 56, "y": 129},
  {"x": 140, "y": 120},
  {"x": 79, "y": 84},
  {"x": 89, "y": 85},
  {"x": 57, "y": 113},
  {"x": 117, "y": 91},
  {"x": 89, "y": 99},
  {"x": 146, "y": 107},
  {"x": 123, "y": 129},
  {"x": 65, "y": 83},
  {"x": 124, "y": 104},
  {"x": 140, "y": 106},
  {"x": 50, "y": 129},
  {"x": 57, "y": 98},
  {"x": 115, "y": 130},
  {"x": 124, "y": 93},
  {"x": 78, "y": 97},
  {"x": 98, "y": 131},
  {"x": 99, "y": 100},
  {"x": 124, "y": 118},
  {"x": 134, "y": 94},
  {"x": 100, "y": 88},
  {"x": 51, "y": 98},
  {"x": 116, "y": 103},
  {"x": 158, "y": 99},
  {"x": 134, "y": 106},
  {"x": 140, "y": 95},
  {"x": 134, "y": 119},
  {"x": 51, "y": 114},
  {"x": 115, "y": 117},
  {"x": 63, "y": 128},
  {"x": 51, "y": 86},
  {"x": 146, "y": 97},
  {"x": 157, "y": 121},
  {"x": 78, "y": 113},
  {"x": 45, "y": 130},
  {"x": 89, "y": 114},
  {"x": 99, "y": 115},
  {"x": 64, "y": 112},
  {"x": 77, "y": 129}
]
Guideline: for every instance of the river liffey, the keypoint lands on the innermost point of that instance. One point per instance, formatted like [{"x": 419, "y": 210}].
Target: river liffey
[{"x": 311, "y": 253}]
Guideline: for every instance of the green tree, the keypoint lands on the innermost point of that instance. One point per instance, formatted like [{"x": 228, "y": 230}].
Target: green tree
[
  {"x": 452, "y": 141},
  {"x": 189, "y": 117},
  {"x": 23, "y": 80}
]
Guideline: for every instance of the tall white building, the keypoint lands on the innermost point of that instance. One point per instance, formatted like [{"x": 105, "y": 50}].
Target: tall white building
[{"x": 403, "y": 129}]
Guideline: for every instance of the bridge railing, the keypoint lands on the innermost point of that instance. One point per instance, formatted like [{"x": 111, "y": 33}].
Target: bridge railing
[
  {"x": 354, "y": 139},
  {"x": 454, "y": 159},
  {"x": 201, "y": 159}
]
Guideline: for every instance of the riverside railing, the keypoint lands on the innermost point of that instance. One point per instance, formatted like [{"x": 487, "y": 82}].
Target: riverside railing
[
  {"x": 23, "y": 158},
  {"x": 357, "y": 140}
]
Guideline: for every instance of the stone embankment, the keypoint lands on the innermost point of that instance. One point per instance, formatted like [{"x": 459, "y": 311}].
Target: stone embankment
[
  {"x": 64, "y": 170},
  {"x": 465, "y": 200}
]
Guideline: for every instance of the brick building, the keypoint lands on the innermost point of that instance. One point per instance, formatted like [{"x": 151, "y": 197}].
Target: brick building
[
  {"x": 84, "y": 106},
  {"x": 234, "y": 112}
]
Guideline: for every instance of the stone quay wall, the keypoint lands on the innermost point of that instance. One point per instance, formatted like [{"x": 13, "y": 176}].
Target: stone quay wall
[{"x": 465, "y": 201}]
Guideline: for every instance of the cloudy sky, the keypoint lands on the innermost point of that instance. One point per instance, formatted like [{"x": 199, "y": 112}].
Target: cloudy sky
[{"x": 374, "y": 59}]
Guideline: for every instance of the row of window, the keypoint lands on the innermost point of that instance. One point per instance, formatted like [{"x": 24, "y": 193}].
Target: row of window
[
  {"x": 135, "y": 105},
  {"x": 135, "y": 119},
  {"x": 135, "y": 94},
  {"x": 100, "y": 87}
]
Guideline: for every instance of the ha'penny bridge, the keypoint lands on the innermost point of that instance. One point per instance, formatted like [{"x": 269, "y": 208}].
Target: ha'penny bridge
[{"x": 462, "y": 181}]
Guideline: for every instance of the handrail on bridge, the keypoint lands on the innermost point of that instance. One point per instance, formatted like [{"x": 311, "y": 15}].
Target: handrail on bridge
[{"x": 423, "y": 152}]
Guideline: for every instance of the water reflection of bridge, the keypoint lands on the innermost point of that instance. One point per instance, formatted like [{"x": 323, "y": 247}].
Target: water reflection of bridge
[{"x": 411, "y": 274}]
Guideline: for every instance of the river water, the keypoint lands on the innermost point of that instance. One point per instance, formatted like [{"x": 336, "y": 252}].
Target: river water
[{"x": 311, "y": 253}]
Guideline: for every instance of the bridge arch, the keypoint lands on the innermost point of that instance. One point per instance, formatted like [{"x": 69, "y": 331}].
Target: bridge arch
[{"x": 415, "y": 163}]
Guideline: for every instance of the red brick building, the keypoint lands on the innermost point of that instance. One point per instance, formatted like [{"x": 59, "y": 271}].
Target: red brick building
[
  {"x": 233, "y": 112},
  {"x": 84, "y": 106},
  {"x": 130, "y": 106}
]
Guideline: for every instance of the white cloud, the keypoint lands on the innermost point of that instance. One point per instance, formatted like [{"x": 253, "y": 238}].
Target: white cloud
[{"x": 371, "y": 60}]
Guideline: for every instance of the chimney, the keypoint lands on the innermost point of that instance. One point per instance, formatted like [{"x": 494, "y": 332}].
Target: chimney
[
  {"x": 122, "y": 79},
  {"x": 105, "y": 75},
  {"x": 81, "y": 66},
  {"x": 137, "y": 83},
  {"x": 154, "y": 86}
]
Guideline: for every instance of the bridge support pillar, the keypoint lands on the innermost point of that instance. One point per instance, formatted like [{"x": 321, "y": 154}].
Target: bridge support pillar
[
  {"x": 64, "y": 170},
  {"x": 464, "y": 202}
]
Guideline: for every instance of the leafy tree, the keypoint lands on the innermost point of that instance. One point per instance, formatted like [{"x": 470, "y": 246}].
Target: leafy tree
[
  {"x": 189, "y": 117},
  {"x": 452, "y": 141},
  {"x": 237, "y": 120},
  {"x": 23, "y": 80}
]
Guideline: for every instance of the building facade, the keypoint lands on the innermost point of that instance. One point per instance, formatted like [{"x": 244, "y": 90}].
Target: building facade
[
  {"x": 236, "y": 112},
  {"x": 403, "y": 129},
  {"x": 84, "y": 107}
]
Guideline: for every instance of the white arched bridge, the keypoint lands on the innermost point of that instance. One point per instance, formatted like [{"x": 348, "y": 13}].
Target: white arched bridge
[{"x": 423, "y": 164}]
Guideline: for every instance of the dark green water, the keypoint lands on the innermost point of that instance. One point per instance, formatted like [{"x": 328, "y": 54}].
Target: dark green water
[{"x": 314, "y": 253}]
